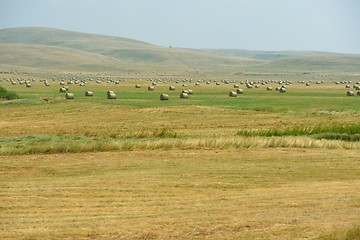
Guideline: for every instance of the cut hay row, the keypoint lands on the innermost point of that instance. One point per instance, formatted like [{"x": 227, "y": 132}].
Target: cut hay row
[{"x": 72, "y": 144}]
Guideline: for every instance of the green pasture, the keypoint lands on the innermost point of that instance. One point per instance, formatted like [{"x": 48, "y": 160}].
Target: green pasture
[{"x": 298, "y": 98}]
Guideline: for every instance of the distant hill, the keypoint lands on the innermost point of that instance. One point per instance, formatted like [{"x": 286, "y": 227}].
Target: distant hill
[
  {"x": 37, "y": 47},
  {"x": 88, "y": 48}
]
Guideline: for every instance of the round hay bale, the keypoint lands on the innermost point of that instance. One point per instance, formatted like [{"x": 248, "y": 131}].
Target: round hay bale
[
  {"x": 89, "y": 94},
  {"x": 62, "y": 89},
  {"x": 307, "y": 84},
  {"x": 347, "y": 86},
  {"x": 28, "y": 85},
  {"x": 269, "y": 89},
  {"x": 236, "y": 86},
  {"x": 172, "y": 88},
  {"x": 232, "y": 94},
  {"x": 239, "y": 91},
  {"x": 190, "y": 91},
  {"x": 111, "y": 95},
  {"x": 164, "y": 96},
  {"x": 69, "y": 96},
  {"x": 248, "y": 85},
  {"x": 137, "y": 86},
  {"x": 184, "y": 95},
  {"x": 185, "y": 91},
  {"x": 350, "y": 93},
  {"x": 282, "y": 90},
  {"x": 151, "y": 88}
]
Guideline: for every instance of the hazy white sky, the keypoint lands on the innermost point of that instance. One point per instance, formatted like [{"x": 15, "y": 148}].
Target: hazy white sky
[{"x": 322, "y": 25}]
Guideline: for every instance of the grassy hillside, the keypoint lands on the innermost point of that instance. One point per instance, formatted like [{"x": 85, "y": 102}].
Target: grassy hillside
[
  {"x": 40, "y": 56},
  {"x": 123, "y": 49},
  {"x": 36, "y": 47}
]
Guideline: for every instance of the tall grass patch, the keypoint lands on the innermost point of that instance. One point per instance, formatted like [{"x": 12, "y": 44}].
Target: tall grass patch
[
  {"x": 346, "y": 132},
  {"x": 351, "y": 234},
  {"x": 8, "y": 95}
]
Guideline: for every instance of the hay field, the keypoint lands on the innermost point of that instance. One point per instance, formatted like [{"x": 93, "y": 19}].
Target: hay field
[{"x": 140, "y": 168}]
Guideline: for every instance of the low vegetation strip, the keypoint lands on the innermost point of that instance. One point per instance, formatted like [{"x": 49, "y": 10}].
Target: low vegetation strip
[
  {"x": 351, "y": 234},
  {"x": 350, "y": 132},
  {"x": 76, "y": 144},
  {"x": 7, "y": 95}
]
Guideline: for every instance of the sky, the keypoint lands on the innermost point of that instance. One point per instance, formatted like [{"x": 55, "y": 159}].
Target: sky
[{"x": 266, "y": 25}]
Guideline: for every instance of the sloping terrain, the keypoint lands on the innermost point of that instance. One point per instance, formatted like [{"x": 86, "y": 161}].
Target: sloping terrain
[
  {"x": 37, "y": 47},
  {"x": 84, "y": 47}
]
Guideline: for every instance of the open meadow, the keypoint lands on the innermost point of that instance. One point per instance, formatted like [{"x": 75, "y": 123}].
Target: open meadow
[{"x": 262, "y": 165}]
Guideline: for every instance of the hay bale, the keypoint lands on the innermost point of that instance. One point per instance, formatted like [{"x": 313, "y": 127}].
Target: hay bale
[
  {"x": 62, "y": 89},
  {"x": 184, "y": 95},
  {"x": 282, "y": 90},
  {"x": 111, "y": 95},
  {"x": 172, "y": 88},
  {"x": 69, "y": 96},
  {"x": 185, "y": 91},
  {"x": 269, "y": 89},
  {"x": 164, "y": 96},
  {"x": 232, "y": 94},
  {"x": 190, "y": 91},
  {"x": 239, "y": 91},
  {"x": 350, "y": 93},
  {"x": 151, "y": 88},
  {"x": 89, "y": 94},
  {"x": 137, "y": 86},
  {"x": 248, "y": 85}
]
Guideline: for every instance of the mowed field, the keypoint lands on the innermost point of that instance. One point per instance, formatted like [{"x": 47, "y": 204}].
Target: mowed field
[{"x": 136, "y": 167}]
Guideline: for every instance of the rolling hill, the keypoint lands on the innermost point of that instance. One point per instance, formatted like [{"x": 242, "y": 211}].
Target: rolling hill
[{"x": 39, "y": 48}]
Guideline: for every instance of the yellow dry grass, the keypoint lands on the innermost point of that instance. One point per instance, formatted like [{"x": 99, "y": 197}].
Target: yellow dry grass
[{"x": 180, "y": 194}]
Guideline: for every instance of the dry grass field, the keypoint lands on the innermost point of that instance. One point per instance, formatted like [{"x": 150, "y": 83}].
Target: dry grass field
[
  {"x": 140, "y": 168},
  {"x": 262, "y": 165},
  {"x": 180, "y": 194}
]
